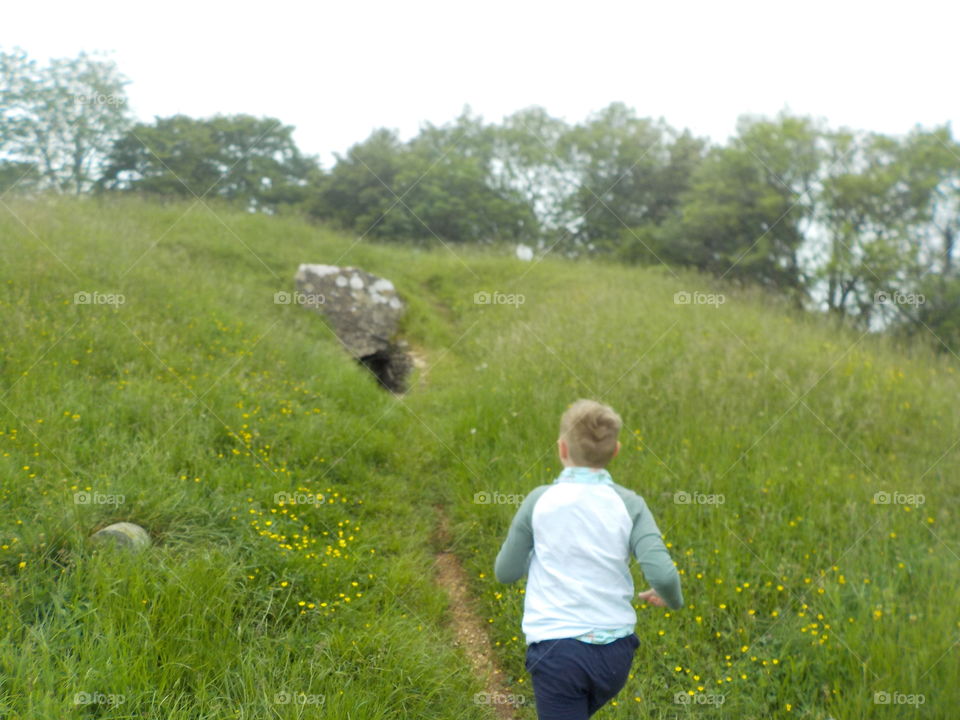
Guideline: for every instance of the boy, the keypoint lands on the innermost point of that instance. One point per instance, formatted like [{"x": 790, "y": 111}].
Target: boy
[{"x": 575, "y": 537}]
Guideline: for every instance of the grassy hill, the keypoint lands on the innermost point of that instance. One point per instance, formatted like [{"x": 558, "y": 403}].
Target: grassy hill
[{"x": 760, "y": 438}]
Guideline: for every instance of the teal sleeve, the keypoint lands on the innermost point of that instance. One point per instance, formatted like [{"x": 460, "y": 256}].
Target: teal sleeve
[
  {"x": 647, "y": 547},
  {"x": 514, "y": 557}
]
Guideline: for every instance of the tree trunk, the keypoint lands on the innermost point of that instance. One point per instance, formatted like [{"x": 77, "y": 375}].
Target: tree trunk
[{"x": 948, "y": 243}]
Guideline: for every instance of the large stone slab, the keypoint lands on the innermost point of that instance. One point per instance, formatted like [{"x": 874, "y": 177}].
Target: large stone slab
[{"x": 364, "y": 311}]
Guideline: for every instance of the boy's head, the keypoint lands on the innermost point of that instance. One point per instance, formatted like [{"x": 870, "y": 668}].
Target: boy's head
[{"x": 588, "y": 434}]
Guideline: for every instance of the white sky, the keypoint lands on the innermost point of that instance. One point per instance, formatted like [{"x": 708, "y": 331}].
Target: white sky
[{"x": 338, "y": 70}]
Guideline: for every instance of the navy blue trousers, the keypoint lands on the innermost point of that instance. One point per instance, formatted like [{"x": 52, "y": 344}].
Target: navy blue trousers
[{"x": 573, "y": 679}]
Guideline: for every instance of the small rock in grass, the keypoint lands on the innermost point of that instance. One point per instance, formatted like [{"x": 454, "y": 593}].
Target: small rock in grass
[{"x": 123, "y": 534}]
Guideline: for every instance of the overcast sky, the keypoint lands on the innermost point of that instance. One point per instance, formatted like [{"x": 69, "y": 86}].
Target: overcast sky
[{"x": 338, "y": 70}]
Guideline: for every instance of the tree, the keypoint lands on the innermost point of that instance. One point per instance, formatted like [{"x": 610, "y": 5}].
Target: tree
[
  {"x": 748, "y": 205},
  {"x": 877, "y": 208},
  {"x": 615, "y": 158},
  {"x": 454, "y": 190},
  {"x": 239, "y": 157},
  {"x": 931, "y": 161},
  {"x": 929, "y": 170},
  {"x": 57, "y": 123},
  {"x": 527, "y": 159},
  {"x": 936, "y": 317},
  {"x": 354, "y": 195},
  {"x": 642, "y": 243},
  {"x": 439, "y": 186},
  {"x": 21, "y": 176}
]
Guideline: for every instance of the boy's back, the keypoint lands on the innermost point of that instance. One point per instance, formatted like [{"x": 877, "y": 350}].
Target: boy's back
[
  {"x": 582, "y": 530},
  {"x": 574, "y": 538}
]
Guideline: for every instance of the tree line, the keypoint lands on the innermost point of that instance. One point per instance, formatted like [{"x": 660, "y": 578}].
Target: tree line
[{"x": 860, "y": 224}]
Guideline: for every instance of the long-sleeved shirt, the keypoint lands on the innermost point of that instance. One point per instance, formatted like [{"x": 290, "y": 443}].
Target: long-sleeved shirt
[{"x": 574, "y": 538}]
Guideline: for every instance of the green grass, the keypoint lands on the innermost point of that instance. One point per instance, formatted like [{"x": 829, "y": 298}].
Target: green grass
[{"x": 199, "y": 399}]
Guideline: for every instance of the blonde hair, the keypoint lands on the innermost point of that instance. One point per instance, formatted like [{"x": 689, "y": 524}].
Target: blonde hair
[{"x": 590, "y": 431}]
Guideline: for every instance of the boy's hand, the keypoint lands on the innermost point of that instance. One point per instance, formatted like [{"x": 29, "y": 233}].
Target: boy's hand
[{"x": 650, "y": 596}]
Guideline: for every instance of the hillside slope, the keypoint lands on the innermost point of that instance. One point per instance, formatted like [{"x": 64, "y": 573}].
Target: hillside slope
[{"x": 759, "y": 437}]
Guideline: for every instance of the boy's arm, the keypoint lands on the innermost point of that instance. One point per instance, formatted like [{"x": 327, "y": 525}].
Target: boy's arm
[
  {"x": 514, "y": 557},
  {"x": 652, "y": 555}
]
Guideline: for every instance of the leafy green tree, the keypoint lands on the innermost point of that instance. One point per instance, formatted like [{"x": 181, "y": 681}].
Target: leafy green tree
[
  {"x": 936, "y": 319},
  {"x": 931, "y": 162},
  {"x": 21, "y": 176},
  {"x": 438, "y": 187},
  {"x": 356, "y": 193},
  {"x": 238, "y": 157},
  {"x": 455, "y": 193},
  {"x": 618, "y": 161},
  {"x": 528, "y": 158},
  {"x": 642, "y": 243},
  {"x": 58, "y": 122},
  {"x": 748, "y": 206},
  {"x": 928, "y": 165},
  {"x": 877, "y": 208}
]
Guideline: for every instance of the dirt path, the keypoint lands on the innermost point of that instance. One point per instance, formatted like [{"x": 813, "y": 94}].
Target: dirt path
[{"x": 467, "y": 624}]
